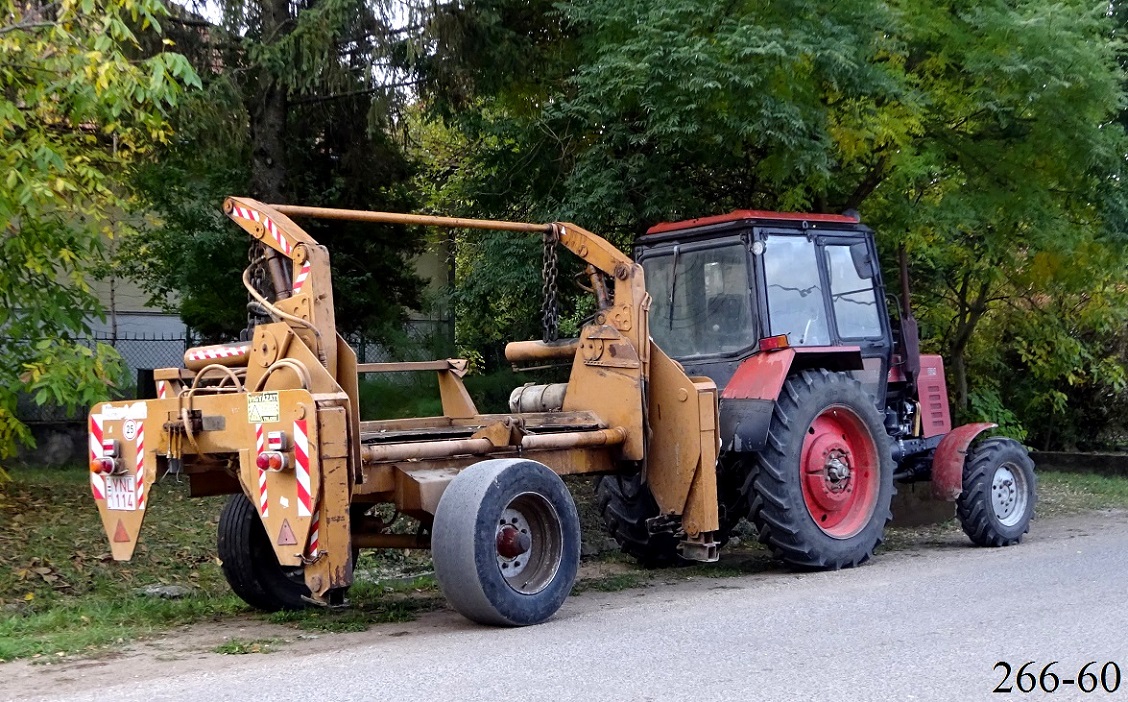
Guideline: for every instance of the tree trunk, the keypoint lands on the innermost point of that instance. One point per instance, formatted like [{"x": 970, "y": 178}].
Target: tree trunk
[
  {"x": 971, "y": 306},
  {"x": 268, "y": 110}
]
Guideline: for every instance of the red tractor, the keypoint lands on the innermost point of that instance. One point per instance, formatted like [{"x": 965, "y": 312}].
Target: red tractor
[{"x": 825, "y": 402}]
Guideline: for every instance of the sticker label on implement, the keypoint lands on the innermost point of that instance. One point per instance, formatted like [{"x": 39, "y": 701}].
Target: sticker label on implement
[
  {"x": 263, "y": 408},
  {"x": 137, "y": 410}
]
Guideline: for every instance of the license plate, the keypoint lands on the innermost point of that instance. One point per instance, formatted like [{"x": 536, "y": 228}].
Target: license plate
[{"x": 121, "y": 493}]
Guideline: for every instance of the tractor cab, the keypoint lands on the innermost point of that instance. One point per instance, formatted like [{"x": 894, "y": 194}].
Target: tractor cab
[{"x": 724, "y": 287}]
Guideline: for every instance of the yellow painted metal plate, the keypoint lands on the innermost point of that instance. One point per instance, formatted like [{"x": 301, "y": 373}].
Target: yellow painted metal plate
[
  {"x": 287, "y": 500},
  {"x": 130, "y": 432}
]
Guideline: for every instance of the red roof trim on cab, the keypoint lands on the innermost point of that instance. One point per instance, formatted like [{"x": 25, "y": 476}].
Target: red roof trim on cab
[{"x": 737, "y": 215}]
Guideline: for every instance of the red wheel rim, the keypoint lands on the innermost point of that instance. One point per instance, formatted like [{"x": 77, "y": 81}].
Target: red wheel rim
[{"x": 839, "y": 472}]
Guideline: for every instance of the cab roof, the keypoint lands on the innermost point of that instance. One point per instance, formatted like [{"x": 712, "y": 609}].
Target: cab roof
[{"x": 743, "y": 215}]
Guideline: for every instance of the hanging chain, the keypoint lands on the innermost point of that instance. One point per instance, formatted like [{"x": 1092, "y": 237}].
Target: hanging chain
[
  {"x": 261, "y": 283},
  {"x": 550, "y": 307}
]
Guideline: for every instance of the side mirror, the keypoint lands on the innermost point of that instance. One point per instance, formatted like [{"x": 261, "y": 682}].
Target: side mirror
[{"x": 863, "y": 262}]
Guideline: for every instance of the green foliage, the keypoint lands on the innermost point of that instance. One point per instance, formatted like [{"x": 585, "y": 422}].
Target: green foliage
[
  {"x": 77, "y": 112},
  {"x": 982, "y": 137},
  {"x": 330, "y": 145},
  {"x": 242, "y": 647},
  {"x": 190, "y": 258}
]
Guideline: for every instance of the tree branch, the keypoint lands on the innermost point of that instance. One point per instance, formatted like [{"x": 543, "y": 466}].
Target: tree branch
[
  {"x": 314, "y": 99},
  {"x": 33, "y": 21},
  {"x": 188, "y": 22}
]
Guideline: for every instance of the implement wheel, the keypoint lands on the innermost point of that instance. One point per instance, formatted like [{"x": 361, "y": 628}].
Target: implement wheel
[
  {"x": 821, "y": 489},
  {"x": 506, "y": 542},
  {"x": 249, "y": 563},
  {"x": 999, "y": 491}
]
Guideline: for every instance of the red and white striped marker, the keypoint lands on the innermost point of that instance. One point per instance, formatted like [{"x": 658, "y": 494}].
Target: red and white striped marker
[
  {"x": 260, "y": 446},
  {"x": 162, "y": 390},
  {"x": 301, "y": 469},
  {"x": 301, "y": 278},
  {"x": 140, "y": 465},
  {"x": 208, "y": 353},
  {"x": 313, "y": 534},
  {"x": 268, "y": 224},
  {"x": 97, "y": 482}
]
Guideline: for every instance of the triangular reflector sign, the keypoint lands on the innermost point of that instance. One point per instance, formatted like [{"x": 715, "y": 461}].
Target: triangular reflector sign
[
  {"x": 121, "y": 536},
  {"x": 286, "y": 535}
]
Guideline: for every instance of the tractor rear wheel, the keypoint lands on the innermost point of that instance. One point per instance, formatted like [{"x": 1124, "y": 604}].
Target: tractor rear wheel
[
  {"x": 999, "y": 491},
  {"x": 821, "y": 489},
  {"x": 625, "y": 503},
  {"x": 249, "y": 563}
]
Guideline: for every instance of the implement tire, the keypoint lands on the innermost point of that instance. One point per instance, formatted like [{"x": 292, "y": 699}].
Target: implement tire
[
  {"x": 249, "y": 563},
  {"x": 506, "y": 542},
  {"x": 821, "y": 489}
]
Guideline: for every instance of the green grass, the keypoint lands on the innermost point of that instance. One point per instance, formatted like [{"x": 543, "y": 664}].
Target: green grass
[
  {"x": 370, "y": 603},
  {"x": 614, "y": 582},
  {"x": 1071, "y": 493},
  {"x": 60, "y": 592},
  {"x": 399, "y": 395},
  {"x": 240, "y": 647}
]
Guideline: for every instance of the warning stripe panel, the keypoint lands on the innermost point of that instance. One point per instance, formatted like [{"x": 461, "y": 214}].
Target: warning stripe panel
[
  {"x": 264, "y": 499},
  {"x": 301, "y": 278},
  {"x": 301, "y": 468},
  {"x": 204, "y": 353},
  {"x": 140, "y": 466},
  {"x": 313, "y": 534},
  {"x": 268, "y": 224},
  {"x": 162, "y": 390},
  {"x": 97, "y": 482}
]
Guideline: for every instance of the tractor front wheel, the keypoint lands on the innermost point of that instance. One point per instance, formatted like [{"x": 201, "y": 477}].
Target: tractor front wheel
[
  {"x": 998, "y": 495},
  {"x": 821, "y": 489}
]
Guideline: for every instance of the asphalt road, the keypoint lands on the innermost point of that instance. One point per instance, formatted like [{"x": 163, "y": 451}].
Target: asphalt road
[{"x": 925, "y": 624}]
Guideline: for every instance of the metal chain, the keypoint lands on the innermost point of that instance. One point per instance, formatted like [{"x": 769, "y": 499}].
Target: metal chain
[
  {"x": 261, "y": 283},
  {"x": 550, "y": 308}
]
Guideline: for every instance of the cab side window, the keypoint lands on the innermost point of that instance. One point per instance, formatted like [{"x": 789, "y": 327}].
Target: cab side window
[
  {"x": 852, "y": 292},
  {"x": 795, "y": 294}
]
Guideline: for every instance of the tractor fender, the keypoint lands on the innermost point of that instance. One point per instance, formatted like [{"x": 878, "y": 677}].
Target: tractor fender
[
  {"x": 747, "y": 401},
  {"x": 948, "y": 461}
]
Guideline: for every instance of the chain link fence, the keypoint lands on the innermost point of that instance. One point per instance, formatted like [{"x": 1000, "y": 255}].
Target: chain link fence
[
  {"x": 141, "y": 353},
  {"x": 421, "y": 339}
]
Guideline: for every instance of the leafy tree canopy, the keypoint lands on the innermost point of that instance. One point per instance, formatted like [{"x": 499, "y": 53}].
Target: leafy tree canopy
[
  {"x": 982, "y": 137},
  {"x": 297, "y": 107},
  {"x": 78, "y": 111}
]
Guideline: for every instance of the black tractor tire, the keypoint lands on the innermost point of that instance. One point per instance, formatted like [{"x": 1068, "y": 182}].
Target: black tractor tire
[
  {"x": 784, "y": 495},
  {"x": 506, "y": 542},
  {"x": 999, "y": 492},
  {"x": 249, "y": 564},
  {"x": 625, "y": 503}
]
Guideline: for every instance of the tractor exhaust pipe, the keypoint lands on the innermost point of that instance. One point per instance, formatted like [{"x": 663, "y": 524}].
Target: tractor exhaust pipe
[{"x": 910, "y": 332}]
